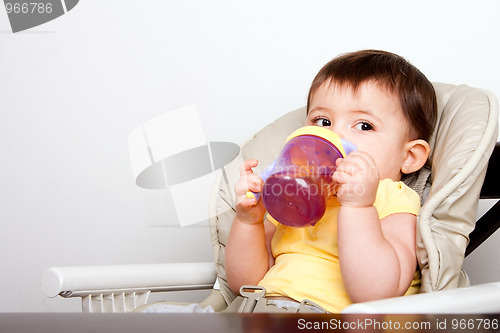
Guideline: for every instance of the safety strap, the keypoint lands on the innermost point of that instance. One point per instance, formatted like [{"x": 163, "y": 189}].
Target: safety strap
[
  {"x": 253, "y": 300},
  {"x": 419, "y": 182}
]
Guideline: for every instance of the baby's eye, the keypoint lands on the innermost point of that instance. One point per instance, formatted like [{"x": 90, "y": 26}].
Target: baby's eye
[
  {"x": 364, "y": 126},
  {"x": 322, "y": 122}
]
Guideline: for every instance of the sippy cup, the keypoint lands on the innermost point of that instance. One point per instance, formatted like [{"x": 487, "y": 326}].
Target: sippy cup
[{"x": 298, "y": 183}]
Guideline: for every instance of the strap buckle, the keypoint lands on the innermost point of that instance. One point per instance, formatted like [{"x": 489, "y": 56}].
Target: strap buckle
[
  {"x": 307, "y": 306},
  {"x": 251, "y": 295},
  {"x": 254, "y": 301}
]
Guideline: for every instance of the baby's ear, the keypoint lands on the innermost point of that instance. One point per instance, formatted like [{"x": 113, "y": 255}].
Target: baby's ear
[{"x": 417, "y": 152}]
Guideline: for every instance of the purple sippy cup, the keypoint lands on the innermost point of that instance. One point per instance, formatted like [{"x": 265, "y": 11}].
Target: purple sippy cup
[{"x": 298, "y": 183}]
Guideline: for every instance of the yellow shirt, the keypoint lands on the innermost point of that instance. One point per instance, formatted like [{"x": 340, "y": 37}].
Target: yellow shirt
[{"x": 307, "y": 263}]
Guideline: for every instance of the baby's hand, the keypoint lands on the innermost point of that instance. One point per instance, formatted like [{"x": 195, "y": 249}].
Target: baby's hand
[
  {"x": 248, "y": 210},
  {"x": 357, "y": 177}
]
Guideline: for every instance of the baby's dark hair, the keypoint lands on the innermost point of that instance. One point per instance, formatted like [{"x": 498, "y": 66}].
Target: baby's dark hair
[{"x": 416, "y": 94}]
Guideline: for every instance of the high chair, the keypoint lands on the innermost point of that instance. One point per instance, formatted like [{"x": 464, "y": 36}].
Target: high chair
[{"x": 450, "y": 186}]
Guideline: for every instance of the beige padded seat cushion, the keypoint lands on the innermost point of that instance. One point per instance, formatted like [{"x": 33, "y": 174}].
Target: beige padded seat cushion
[{"x": 461, "y": 145}]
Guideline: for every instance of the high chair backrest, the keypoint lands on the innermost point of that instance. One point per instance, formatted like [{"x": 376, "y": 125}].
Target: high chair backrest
[{"x": 464, "y": 138}]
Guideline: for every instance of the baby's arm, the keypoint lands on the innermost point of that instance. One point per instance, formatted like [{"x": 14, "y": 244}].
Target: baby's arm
[
  {"x": 377, "y": 258},
  {"x": 248, "y": 249}
]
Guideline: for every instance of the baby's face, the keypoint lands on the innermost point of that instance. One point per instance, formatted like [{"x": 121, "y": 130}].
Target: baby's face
[{"x": 371, "y": 118}]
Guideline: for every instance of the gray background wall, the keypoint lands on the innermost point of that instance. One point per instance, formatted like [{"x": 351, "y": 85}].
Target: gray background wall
[{"x": 73, "y": 89}]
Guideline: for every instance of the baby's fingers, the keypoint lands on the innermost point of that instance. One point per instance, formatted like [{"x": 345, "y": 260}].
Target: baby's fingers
[
  {"x": 342, "y": 177},
  {"x": 246, "y": 202},
  {"x": 249, "y": 182},
  {"x": 247, "y": 166}
]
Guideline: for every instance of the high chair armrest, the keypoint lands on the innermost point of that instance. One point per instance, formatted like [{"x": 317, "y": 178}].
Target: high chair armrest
[
  {"x": 81, "y": 281},
  {"x": 482, "y": 298}
]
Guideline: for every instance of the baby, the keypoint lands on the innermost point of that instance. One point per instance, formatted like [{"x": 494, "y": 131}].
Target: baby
[{"x": 364, "y": 246}]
